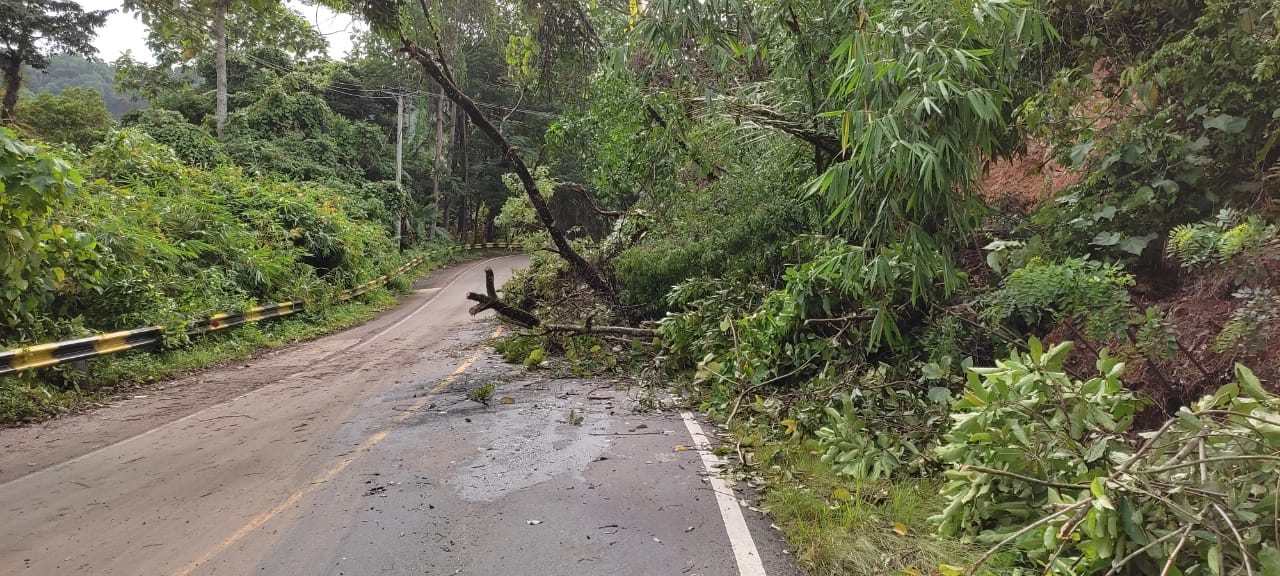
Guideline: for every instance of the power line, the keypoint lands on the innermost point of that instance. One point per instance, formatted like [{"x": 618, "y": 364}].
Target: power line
[{"x": 335, "y": 86}]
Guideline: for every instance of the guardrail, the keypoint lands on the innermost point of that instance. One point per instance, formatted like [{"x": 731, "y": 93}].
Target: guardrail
[{"x": 44, "y": 355}]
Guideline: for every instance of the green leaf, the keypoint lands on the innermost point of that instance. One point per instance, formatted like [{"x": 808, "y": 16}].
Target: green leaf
[
  {"x": 1106, "y": 239},
  {"x": 1226, "y": 393},
  {"x": 1080, "y": 152},
  {"x": 939, "y": 395},
  {"x": 1190, "y": 419},
  {"x": 1250, "y": 383},
  {"x": 1226, "y": 123},
  {"x": 1100, "y": 494},
  {"x": 1036, "y": 347},
  {"x": 1269, "y": 558},
  {"x": 1136, "y": 244},
  {"x": 1096, "y": 451}
]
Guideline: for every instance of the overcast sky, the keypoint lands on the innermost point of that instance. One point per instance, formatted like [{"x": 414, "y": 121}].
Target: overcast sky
[{"x": 124, "y": 31}]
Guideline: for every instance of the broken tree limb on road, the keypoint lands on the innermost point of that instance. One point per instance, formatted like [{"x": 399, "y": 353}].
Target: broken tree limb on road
[
  {"x": 603, "y": 330},
  {"x": 490, "y": 301}
]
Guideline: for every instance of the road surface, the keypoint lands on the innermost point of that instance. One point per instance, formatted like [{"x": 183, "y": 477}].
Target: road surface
[{"x": 359, "y": 454}]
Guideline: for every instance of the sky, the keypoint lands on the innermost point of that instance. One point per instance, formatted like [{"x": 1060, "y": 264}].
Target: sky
[{"x": 124, "y": 31}]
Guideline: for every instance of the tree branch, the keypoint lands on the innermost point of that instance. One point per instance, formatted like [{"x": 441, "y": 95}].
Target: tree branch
[
  {"x": 490, "y": 301},
  {"x": 591, "y": 201},
  {"x": 605, "y": 330},
  {"x": 433, "y": 67}
]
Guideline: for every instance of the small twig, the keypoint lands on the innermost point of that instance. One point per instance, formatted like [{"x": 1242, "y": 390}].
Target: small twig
[
  {"x": 604, "y": 330},
  {"x": 1048, "y": 566},
  {"x": 738, "y": 403},
  {"x": 1124, "y": 468},
  {"x": 1244, "y": 550},
  {"x": 1027, "y": 479},
  {"x": 1020, "y": 345},
  {"x": 1174, "y": 555},
  {"x": 849, "y": 318},
  {"x": 1038, "y": 523},
  {"x": 1204, "y": 468},
  {"x": 591, "y": 201},
  {"x": 1115, "y": 568},
  {"x": 1194, "y": 360},
  {"x": 1276, "y": 511},
  {"x": 1208, "y": 460}
]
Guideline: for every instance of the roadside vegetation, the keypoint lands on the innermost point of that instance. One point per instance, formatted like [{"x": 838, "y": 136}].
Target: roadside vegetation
[{"x": 977, "y": 287}]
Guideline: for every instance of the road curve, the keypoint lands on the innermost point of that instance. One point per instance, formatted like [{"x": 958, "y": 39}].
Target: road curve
[{"x": 359, "y": 454}]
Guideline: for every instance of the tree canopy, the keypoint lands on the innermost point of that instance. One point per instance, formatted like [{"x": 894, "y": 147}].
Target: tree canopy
[{"x": 35, "y": 30}]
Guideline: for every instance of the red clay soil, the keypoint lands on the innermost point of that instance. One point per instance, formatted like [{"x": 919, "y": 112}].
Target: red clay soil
[
  {"x": 1198, "y": 306},
  {"x": 1024, "y": 183}
]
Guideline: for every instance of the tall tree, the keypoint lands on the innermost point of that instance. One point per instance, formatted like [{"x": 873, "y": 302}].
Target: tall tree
[
  {"x": 33, "y": 30},
  {"x": 386, "y": 17},
  {"x": 181, "y": 31}
]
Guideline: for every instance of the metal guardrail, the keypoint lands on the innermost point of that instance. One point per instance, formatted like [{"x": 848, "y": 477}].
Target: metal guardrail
[{"x": 44, "y": 355}]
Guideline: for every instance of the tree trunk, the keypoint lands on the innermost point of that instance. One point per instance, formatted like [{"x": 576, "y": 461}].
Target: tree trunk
[
  {"x": 12, "y": 82},
  {"x": 460, "y": 159},
  {"x": 220, "y": 62},
  {"x": 439, "y": 164},
  {"x": 399, "y": 162},
  {"x": 585, "y": 270}
]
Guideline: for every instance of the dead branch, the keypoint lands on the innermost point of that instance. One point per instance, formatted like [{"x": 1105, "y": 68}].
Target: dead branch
[
  {"x": 490, "y": 301},
  {"x": 603, "y": 330}
]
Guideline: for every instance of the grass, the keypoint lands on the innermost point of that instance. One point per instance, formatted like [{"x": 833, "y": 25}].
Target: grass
[
  {"x": 839, "y": 526},
  {"x": 45, "y": 393}
]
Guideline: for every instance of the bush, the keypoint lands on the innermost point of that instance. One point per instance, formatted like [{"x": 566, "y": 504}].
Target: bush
[
  {"x": 191, "y": 143},
  {"x": 1050, "y": 466},
  {"x": 45, "y": 256},
  {"x": 1043, "y": 294},
  {"x": 1216, "y": 241},
  {"x": 164, "y": 243},
  {"x": 739, "y": 229},
  {"x": 76, "y": 116}
]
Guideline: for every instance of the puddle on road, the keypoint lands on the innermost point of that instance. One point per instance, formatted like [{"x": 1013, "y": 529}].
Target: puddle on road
[{"x": 521, "y": 448}]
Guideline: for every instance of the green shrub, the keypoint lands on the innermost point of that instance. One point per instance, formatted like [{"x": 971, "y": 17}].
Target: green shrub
[
  {"x": 1045, "y": 293},
  {"x": 1245, "y": 331},
  {"x": 192, "y": 144},
  {"x": 159, "y": 242},
  {"x": 44, "y": 255},
  {"x": 1216, "y": 241},
  {"x": 76, "y": 116},
  {"x": 739, "y": 228},
  {"x": 1051, "y": 467}
]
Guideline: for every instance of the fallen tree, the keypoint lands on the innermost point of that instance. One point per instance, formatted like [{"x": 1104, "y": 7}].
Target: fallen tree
[{"x": 490, "y": 301}]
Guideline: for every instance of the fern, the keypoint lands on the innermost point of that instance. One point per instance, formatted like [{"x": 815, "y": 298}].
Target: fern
[
  {"x": 1249, "y": 322},
  {"x": 1043, "y": 293},
  {"x": 1216, "y": 241}
]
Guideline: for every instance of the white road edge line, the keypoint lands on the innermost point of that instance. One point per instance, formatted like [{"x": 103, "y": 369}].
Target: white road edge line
[
  {"x": 744, "y": 548},
  {"x": 192, "y": 415}
]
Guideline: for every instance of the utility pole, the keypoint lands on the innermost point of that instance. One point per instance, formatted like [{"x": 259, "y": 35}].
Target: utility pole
[{"x": 399, "y": 164}]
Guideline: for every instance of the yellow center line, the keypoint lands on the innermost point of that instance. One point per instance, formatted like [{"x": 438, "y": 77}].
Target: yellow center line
[{"x": 332, "y": 471}]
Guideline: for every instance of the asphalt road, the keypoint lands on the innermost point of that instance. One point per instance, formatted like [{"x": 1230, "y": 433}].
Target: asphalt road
[{"x": 359, "y": 454}]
